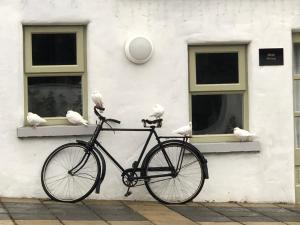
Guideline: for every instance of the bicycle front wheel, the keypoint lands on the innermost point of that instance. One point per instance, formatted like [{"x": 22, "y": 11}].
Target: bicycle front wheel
[
  {"x": 70, "y": 173},
  {"x": 183, "y": 185}
]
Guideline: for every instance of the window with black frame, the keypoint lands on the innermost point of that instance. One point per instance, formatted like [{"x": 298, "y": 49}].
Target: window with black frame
[
  {"x": 55, "y": 76},
  {"x": 218, "y": 93}
]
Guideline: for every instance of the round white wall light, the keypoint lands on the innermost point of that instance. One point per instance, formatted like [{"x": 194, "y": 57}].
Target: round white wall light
[{"x": 138, "y": 49}]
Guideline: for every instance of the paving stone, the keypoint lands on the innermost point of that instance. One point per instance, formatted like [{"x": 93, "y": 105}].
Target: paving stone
[
  {"x": 30, "y": 216},
  {"x": 159, "y": 214},
  {"x": 263, "y": 223},
  {"x": 83, "y": 222},
  {"x": 26, "y": 208},
  {"x": 4, "y": 216},
  {"x": 28, "y": 211},
  {"x": 219, "y": 223},
  {"x": 252, "y": 219},
  {"x": 199, "y": 213},
  {"x": 72, "y": 212},
  {"x": 258, "y": 205},
  {"x": 287, "y": 218},
  {"x": 38, "y": 222},
  {"x": 271, "y": 210},
  {"x": 116, "y": 212},
  {"x": 6, "y": 222},
  {"x": 20, "y": 200},
  {"x": 236, "y": 212},
  {"x": 2, "y": 210},
  {"x": 130, "y": 223},
  {"x": 221, "y": 204}
]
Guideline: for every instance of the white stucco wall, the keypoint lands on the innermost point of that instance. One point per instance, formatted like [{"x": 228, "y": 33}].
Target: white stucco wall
[{"x": 130, "y": 91}]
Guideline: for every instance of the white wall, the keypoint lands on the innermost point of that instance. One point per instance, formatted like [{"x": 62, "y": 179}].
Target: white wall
[{"x": 130, "y": 91}]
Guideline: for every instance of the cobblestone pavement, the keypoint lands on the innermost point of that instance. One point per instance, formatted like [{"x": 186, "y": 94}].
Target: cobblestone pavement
[{"x": 92, "y": 212}]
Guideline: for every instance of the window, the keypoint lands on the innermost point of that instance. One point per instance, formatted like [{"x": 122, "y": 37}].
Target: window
[
  {"x": 218, "y": 93},
  {"x": 55, "y": 74}
]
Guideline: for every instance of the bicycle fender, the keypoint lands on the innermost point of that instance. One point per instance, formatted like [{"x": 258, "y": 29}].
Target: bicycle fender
[
  {"x": 103, "y": 171},
  {"x": 202, "y": 158}
]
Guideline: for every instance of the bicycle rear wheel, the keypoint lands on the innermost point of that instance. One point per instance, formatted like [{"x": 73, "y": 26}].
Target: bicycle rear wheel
[
  {"x": 70, "y": 173},
  {"x": 181, "y": 187}
]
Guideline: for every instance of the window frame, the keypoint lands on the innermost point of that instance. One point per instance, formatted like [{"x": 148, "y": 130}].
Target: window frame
[
  {"x": 211, "y": 89},
  {"x": 56, "y": 70}
]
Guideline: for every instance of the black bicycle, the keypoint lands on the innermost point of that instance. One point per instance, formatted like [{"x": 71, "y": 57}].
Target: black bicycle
[{"x": 173, "y": 171}]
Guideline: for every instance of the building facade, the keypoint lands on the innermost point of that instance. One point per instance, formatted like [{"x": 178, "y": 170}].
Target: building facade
[{"x": 192, "y": 39}]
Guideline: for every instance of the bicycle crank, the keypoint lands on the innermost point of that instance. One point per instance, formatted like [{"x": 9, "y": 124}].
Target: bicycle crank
[{"x": 129, "y": 178}]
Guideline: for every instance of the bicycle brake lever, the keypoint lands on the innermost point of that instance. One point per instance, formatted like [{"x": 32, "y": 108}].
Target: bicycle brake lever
[{"x": 110, "y": 127}]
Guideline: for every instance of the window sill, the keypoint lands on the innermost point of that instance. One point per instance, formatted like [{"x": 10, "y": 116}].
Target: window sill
[
  {"x": 228, "y": 147},
  {"x": 55, "y": 131}
]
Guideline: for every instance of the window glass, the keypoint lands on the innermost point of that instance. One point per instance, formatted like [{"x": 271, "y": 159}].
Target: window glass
[
  {"x": 297, "y": 58},
  {"x": 217, "y": 68},
  {"x": 297, "y": 95},
  {"x": 297, "y": 131},
  {"x": 54, "y": 96},
  {"x": 54, "y": 49},
  {"x": 216, "y": 114}
]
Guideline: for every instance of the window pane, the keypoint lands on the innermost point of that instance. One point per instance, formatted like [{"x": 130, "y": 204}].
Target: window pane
[
  {"x": 54, "y": 49},
  {"x": 217, "y": 114},
  {"x": 297, "y": 95},
  {"x": 297, "y": 131},
  {"x": 297, "y": 58},
  {"x": 217, "y": 68},
  {"x": 54, "y": 96}
]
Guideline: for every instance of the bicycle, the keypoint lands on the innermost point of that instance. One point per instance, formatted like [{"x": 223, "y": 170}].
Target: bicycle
[{"x": 173, "y": 171}]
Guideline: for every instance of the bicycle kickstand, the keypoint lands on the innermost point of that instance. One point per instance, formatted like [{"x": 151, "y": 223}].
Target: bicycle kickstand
[{"x": 128, "y": 192}]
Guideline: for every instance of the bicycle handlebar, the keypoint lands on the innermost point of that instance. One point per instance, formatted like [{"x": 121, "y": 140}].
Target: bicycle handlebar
[{"x": 96, "y": 108}]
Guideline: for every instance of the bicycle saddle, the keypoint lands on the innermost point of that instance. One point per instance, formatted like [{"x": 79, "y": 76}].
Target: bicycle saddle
[{"x": 157, "y": 122}]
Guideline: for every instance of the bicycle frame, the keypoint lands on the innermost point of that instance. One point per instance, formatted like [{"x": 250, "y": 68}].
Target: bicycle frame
[{"x": 93, "y": 143}]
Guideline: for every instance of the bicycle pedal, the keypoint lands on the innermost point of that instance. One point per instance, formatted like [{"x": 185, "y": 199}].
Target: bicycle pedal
[{"x": 128, "y": 193}]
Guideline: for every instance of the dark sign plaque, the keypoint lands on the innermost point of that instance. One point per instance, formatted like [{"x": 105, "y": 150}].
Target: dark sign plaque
[{"x": 270, "y": 56}]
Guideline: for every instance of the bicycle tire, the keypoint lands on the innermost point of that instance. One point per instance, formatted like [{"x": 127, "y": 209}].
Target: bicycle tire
[
  {"x": 174, "y": 190},
  {"x": 56, "y": 173}
]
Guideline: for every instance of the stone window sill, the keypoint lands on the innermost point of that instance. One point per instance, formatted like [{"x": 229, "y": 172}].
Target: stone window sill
[
  {"x": 69, "y": 130},
  {"x": 228, "y": 147},
  {"x": 55, "y": 131}
]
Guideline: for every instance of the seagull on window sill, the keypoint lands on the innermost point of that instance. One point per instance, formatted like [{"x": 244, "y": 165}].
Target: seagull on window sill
[
  {"x": 34, "y": 119},
  {"x": 185, "y": 130},
  {"x": 243, "y": 135},
  {"x": 75, "y": 118}
]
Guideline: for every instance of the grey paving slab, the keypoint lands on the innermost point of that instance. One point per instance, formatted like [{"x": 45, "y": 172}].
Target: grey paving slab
[
  {"x": 252, "y": 219},
  {"x": 30, "y": 216},
  {"x": 4, "y": 216},
  {"x": 115, "y": 212},
  {"x": 28, "y": 211},
  {"x": 237, "y": 212},
  {"x": 72, "y": 212},
  {"x": 280, "y": 214},
  {"x": 26, "y": 208},
  {"x": 196, "y": 213},
  {"x": 2, "y": 210}
]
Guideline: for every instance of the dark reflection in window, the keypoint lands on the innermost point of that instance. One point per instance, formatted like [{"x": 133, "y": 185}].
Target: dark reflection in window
[
  {"x": 216, "y": 114},
  {"x": 54, "y": 49},
  {"x": 54, "y": 96},
  {"x": 217, "y": 68}
]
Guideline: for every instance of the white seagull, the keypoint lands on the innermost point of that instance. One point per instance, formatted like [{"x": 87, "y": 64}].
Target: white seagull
[
  {"x": 243, "y": 135},
  {"x": 97, "y": 99},
  {"x": 75, "y": 118},
  {"x": 185, "y": 130},
  {"x": 158, "y": 111},
  {"x": 34, "y": 119}
]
